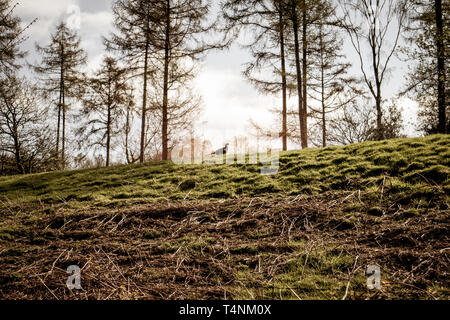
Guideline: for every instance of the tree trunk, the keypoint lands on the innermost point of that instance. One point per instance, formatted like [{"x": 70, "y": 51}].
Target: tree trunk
[
  {"x": 298, "y": 69},
  {"x": 304, "y": 65},
  {"x": 377, "y": 95},
  {"x": 108, "y": 137},
  {"x": 192, "y": 149},
  {"x": 63, "y": 149},
  {"x": 59, "y": 107},
  {"x": 283, "y": 81},
  {"x": 17, "y": 152},
  {"x": 380, "y": 131},
  {"x": 63, "y": 107},
  {"x": 3, "y": 163},
  {"x": 322, "y": 83},
  {"x": 127, "y": 133},
  {"x": 144, "y": 102},
  {"x": 324, "y": 124},
  {"x": 440, "y": 66},
  {"x": 58, "y": 130},
  {"x": 166, "y": 85}
]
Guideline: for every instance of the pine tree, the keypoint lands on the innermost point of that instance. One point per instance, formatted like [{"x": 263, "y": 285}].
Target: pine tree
[
  {"x": 330, "y": 85},
  {"x": 428, "y": 82},
  {"x": 266, "y": 20},
  {"x": 304, "y": 15},
  {"x": 10, "y": 38},
  {"x": 60, "y": 72},
  {"x": 134, "y": 23},
  {"x": 295, "y": 14},
  {"x": 284, "y": 33},
  {"x": 441, "y": 57},
  {"x": 180, "y": 30}
]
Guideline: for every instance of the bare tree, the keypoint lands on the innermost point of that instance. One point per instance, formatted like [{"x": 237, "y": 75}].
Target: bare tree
[
  {"x": 370, "y": 24},
  {"x": 356, "y": 122},
  {"x": 104, "y": 105},
  {"x": 23, "y": 131},
  {"x": 353, "y": 124},
  {"x": 131, "y": 154}
]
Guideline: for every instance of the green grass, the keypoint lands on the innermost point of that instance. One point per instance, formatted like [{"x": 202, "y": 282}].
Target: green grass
[
  {"x": 406, "y": 165},
  {"x": 323, "y": 273}
]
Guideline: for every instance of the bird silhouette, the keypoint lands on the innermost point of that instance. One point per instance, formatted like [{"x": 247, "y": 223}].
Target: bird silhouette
[{"x": 221, "y": 151}]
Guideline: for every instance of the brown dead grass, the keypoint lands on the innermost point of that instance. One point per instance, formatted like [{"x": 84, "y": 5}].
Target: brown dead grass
[{"x": 229, "y": 249}]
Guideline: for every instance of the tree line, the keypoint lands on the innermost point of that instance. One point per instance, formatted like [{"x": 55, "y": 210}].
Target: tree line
[{"x": 140, "y": 101}]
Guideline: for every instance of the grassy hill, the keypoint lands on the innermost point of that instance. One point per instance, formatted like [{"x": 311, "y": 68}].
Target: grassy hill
[
  {"x": 410, "y": 167},
  {"x": 161, "y": 230}
]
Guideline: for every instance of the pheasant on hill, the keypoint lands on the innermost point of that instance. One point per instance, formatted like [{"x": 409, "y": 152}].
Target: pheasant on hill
[{"x": 221, "y": 151}]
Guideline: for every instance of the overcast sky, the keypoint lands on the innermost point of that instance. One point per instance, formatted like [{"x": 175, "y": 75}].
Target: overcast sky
[{"x": 229, "y": 100}]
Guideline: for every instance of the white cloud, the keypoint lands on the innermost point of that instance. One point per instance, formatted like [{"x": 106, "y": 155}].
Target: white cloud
[
  {"x": 230, "y": 101},
  {"x": 94, "y": 26},
  {"x": 44, "y": 9}
]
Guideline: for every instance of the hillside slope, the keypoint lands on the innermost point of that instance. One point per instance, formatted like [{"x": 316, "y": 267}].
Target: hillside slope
[
  {"x": 409, "y": 167},
  {"x": 161, "y": 230}
]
